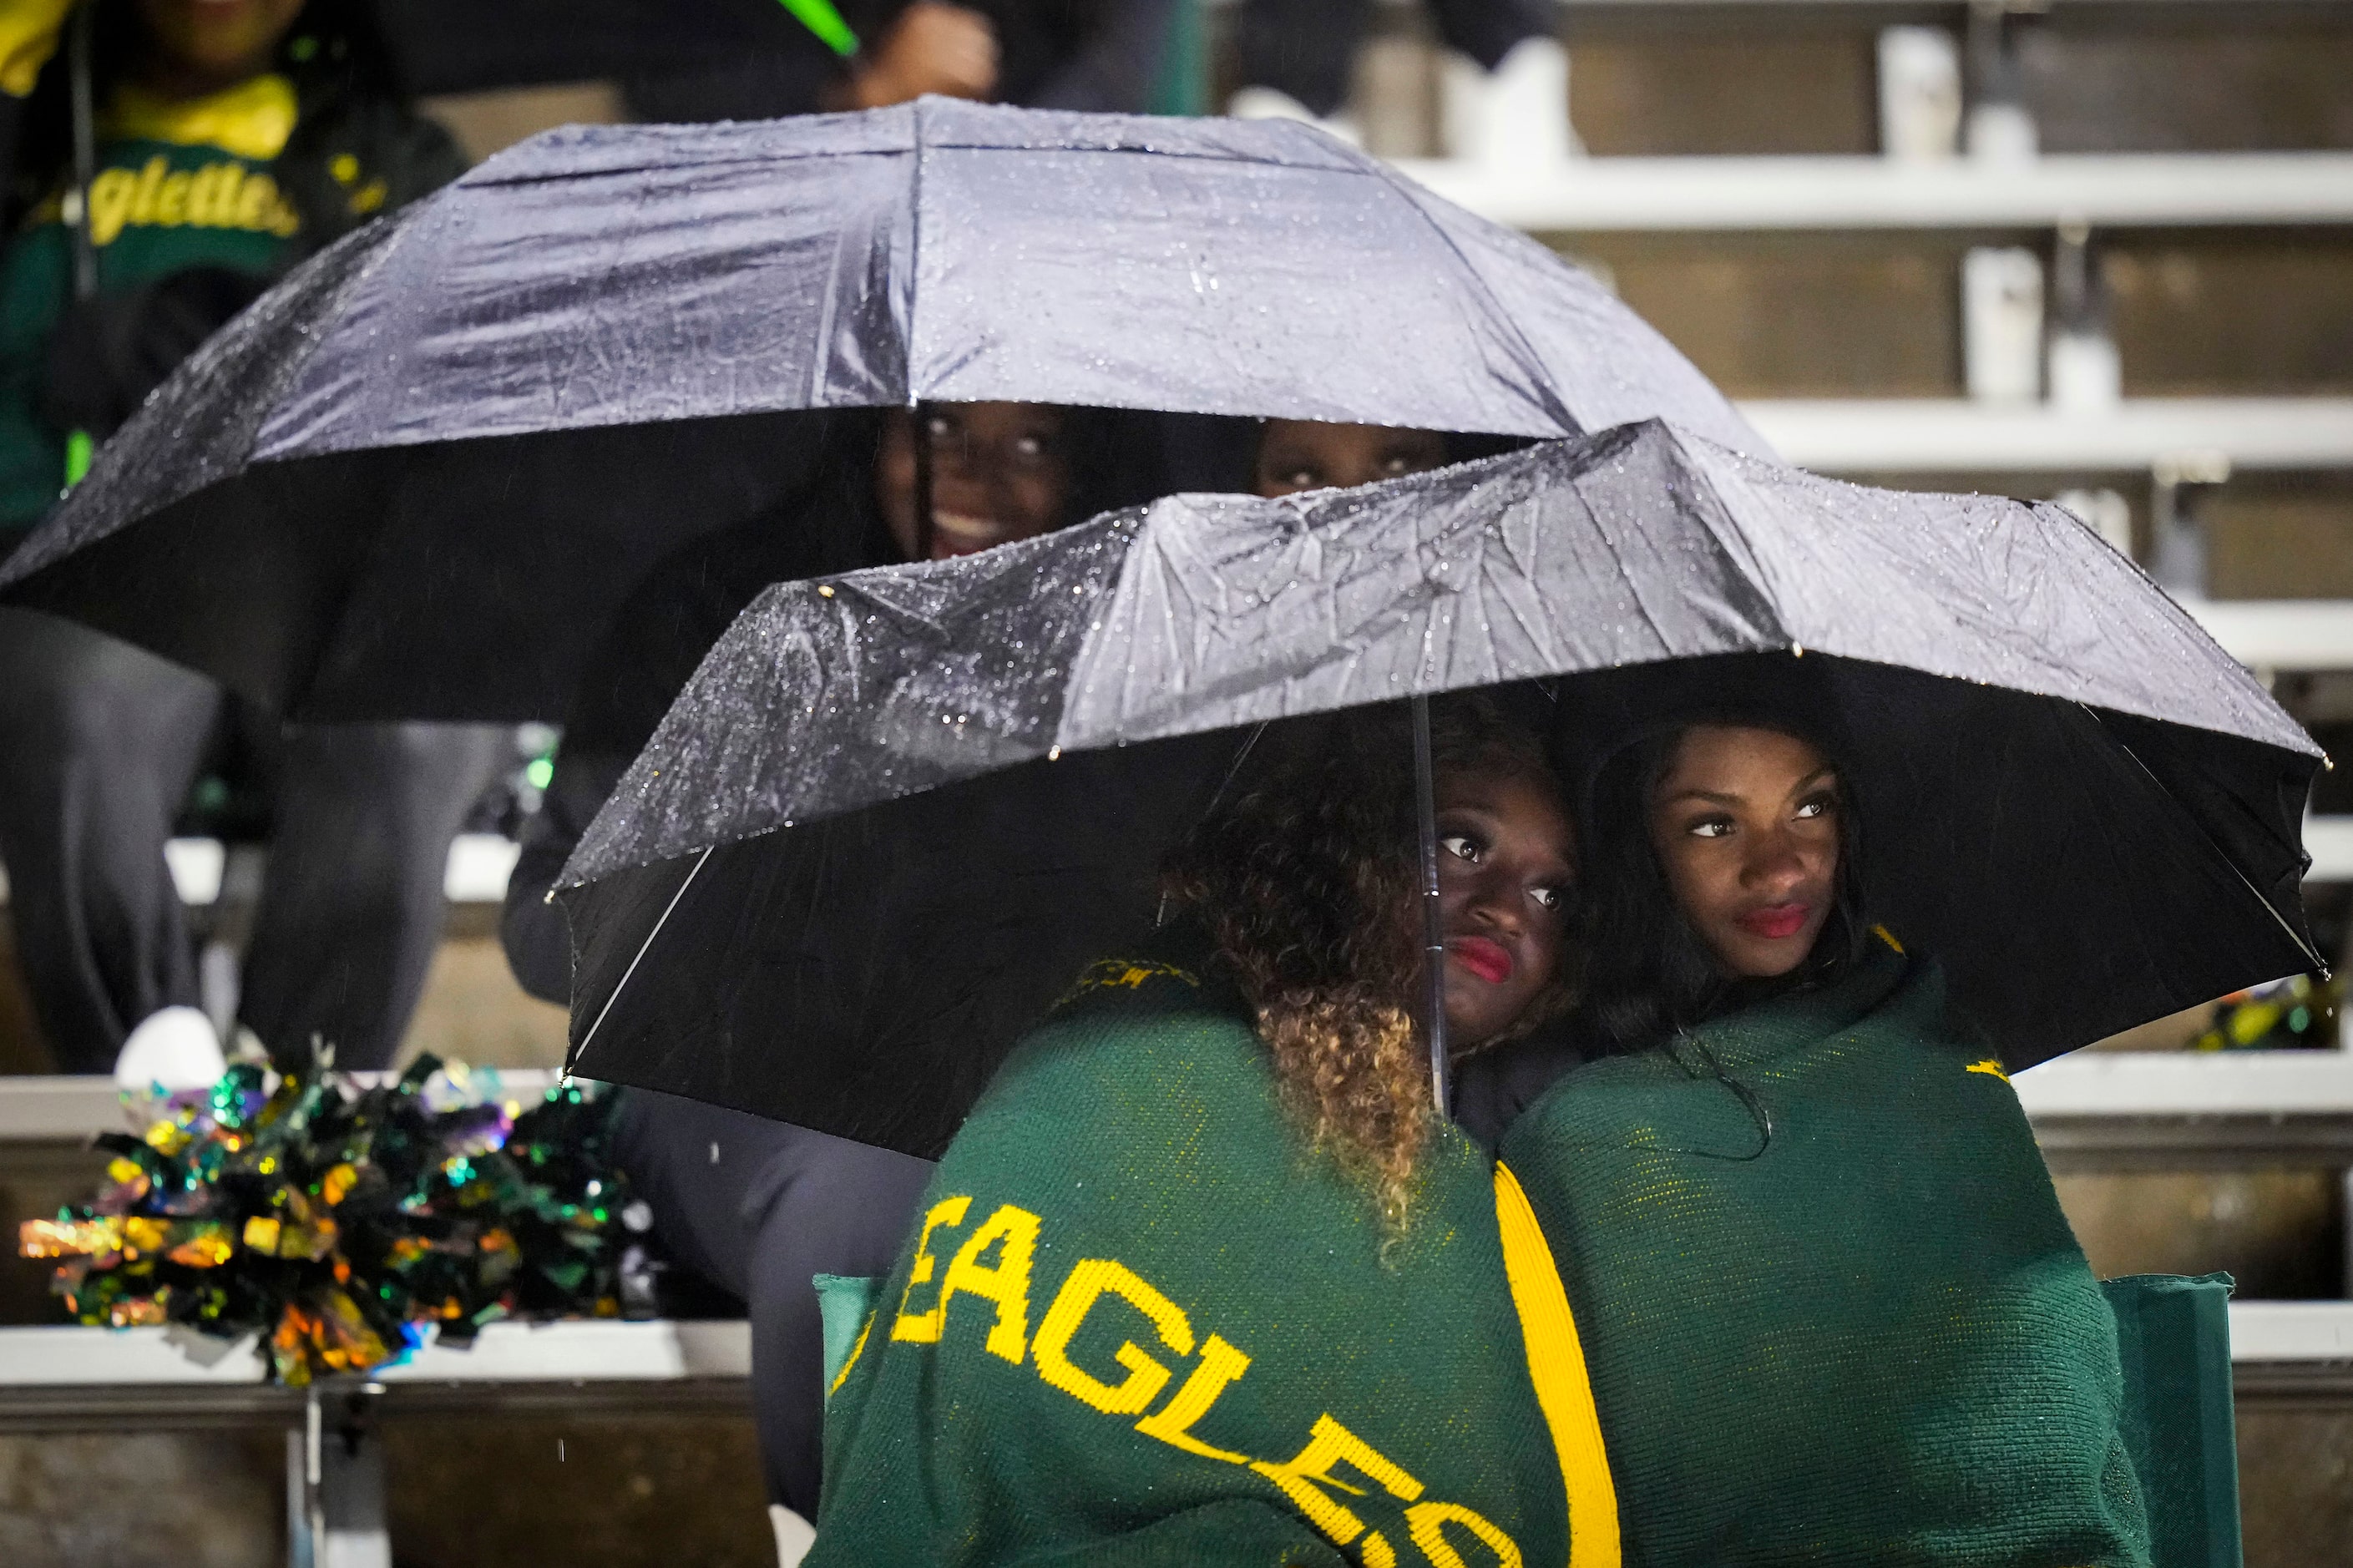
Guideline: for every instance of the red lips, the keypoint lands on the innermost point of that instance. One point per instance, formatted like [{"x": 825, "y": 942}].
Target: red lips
[
  {"x": 1488, "y": 961},
  {"x": 1774, "y": 922}
]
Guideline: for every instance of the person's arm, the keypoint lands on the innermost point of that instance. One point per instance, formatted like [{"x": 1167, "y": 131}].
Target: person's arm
[
  {"x": 534, "y": 932},
  {"x": 1117, "y": 67}
]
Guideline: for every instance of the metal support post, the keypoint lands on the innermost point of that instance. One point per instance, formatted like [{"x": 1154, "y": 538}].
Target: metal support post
[{"x": 335, "y": 1483}]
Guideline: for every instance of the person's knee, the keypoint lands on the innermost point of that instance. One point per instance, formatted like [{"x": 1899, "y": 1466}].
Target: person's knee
[{"x": 846, "y": 1208}]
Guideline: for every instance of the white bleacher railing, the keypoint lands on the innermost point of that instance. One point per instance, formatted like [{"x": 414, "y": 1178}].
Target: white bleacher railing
[
  {"x": 1955, "y": 436},
  {"x": 2109, "y": 190}
]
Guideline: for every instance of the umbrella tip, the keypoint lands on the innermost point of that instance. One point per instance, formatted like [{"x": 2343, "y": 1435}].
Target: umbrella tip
[
  {"x": 1053, "y": 753},
  {"x": 825, "y": 590},
  {"x": 1797, "y": 650}
]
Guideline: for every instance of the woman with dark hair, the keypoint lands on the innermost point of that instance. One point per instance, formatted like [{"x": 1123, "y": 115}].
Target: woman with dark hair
[
  {"x": 1833, "y": 1310},
  {"x": 1205, "y": 1276},
  {"x": 1742, "y": 881}
]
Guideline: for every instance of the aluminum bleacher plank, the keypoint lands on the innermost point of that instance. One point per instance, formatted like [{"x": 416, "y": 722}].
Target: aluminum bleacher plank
[
  {"x": 2119, "y": 1110},
  {"x": 78, "y": 1379},
  {"x": 1949, "y": 435},
  {"x": 2292, "y": 1332},
  {"x": 476, "y": 873},
  {"x": 70, "y": 1109},
  {"x": 1591, "y": 195},
  {"x": 2282, "y": 634},
  {"x": 2190, "y": 1083},
  {"x": 598, "y": 1350}
]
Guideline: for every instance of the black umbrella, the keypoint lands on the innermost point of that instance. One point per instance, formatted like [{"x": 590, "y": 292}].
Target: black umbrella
[
  {"x": 414, "y": 479},
  {"x": 895, "y": 811}
]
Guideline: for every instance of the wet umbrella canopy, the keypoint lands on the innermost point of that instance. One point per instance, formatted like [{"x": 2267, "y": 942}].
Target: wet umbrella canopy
[
  {"x": 414, "y": 479},
  {"x": 936, "y": 791}
]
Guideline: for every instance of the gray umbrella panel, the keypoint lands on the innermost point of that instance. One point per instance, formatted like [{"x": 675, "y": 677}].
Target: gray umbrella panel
[
  {"x": 595, "y": 276},
  {"x": 895, "y": 811},
  {"x": 966, "y": 252},
  {"x": 1202, "y": 613}
]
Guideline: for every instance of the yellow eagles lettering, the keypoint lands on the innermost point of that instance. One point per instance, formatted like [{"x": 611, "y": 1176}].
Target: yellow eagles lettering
[{"x": 1333, "y": 1463}]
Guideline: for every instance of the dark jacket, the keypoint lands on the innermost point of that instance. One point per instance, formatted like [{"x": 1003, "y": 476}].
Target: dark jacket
[{"x": 191, "y": 233}]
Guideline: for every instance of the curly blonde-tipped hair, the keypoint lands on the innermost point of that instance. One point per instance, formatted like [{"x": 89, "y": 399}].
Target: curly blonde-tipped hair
[{"x": 1304, "y": 879}]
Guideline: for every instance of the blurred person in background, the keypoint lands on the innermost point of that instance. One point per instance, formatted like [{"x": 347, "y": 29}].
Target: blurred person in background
[
  {"x": 753, "y": 1207},
  {"x": 1504, "y": 87},
  {"x": 1097, "y": 55},
  {"x": 231, "y": 139}
]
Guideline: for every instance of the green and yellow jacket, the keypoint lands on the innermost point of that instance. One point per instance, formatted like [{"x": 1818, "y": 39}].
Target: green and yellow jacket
[
  {"x": 247, "y": 181},
  {"x": 1139, "y": 1324},
  {"x": 1833, "y": 1312}
]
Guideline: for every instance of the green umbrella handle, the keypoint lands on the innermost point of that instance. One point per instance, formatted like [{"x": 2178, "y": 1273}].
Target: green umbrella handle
[{"x": 819, "y": 17}]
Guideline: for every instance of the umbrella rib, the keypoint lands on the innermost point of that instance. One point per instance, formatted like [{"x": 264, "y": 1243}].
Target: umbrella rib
[
  {"x": 915, "y": 256},
  {"x": 643, "y": 948},
  {"x": 1570, "y": 425},
  {"x": 2220, "y": 854}
]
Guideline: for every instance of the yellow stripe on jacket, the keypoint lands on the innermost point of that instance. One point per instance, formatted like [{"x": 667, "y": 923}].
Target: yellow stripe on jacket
[{"x": 1556, "y": 1367}]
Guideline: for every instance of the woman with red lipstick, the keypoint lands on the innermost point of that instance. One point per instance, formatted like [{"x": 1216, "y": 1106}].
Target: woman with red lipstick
[
  {"x": 1204, "y": 1278},
  {"x": 1728, "y": 875},
  {"x": 1833, "y": 1310}
]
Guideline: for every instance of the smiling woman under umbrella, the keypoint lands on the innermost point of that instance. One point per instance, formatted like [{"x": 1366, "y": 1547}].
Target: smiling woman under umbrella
[{"x": 753, "y": 1207}]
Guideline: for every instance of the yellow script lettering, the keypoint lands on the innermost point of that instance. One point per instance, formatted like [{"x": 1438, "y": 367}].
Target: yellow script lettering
[
  {"x": 109, "y": 204},
  {"x": 257, "y": 200},
  {"x": 1330, "y": 1443},
  {"x": 1015, "y": 1230},
  {"x": 172, "y": 201},
  {"x": 921, "y": 1327},
  {"x": 1173, "y": 1423},
  {"x": 1091, "y": 1278},
  {"x": 1427, "y": 1523},
  {"x": 204, "y": 208},
  {"x": 143, "y": 200}
]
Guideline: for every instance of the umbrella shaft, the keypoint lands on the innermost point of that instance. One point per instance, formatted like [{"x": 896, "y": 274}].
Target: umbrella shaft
[
  {"x": 1433, "y": 916},
  {"x": 924, "y": 458}
]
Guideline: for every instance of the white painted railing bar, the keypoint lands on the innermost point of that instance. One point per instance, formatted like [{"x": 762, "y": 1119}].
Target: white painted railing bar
[
  {"x": 1954, "y": 435},
  {"x": 476, "y": 871},
  {"x": 600, "y": 1350},
  {"x": 2109, "y": 190},
  {"x": 72, "y": 1108}
]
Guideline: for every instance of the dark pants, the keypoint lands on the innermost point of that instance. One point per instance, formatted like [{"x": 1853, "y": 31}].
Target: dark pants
[
  {"x": 1307, "y": 47},
  {"x": 757, "y": 1207},
  {"x": 99, "y": 744}
]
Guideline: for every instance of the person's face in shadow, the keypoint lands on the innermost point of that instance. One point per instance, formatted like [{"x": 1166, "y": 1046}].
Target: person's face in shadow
[
  {"x": 999, "y": 472},
  {"x": 1296, "y": 455},
  {"x": 1746, "y": 823},
  {"x": 1506, "y": 859},
  {"x": 195, "y": 46}
]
